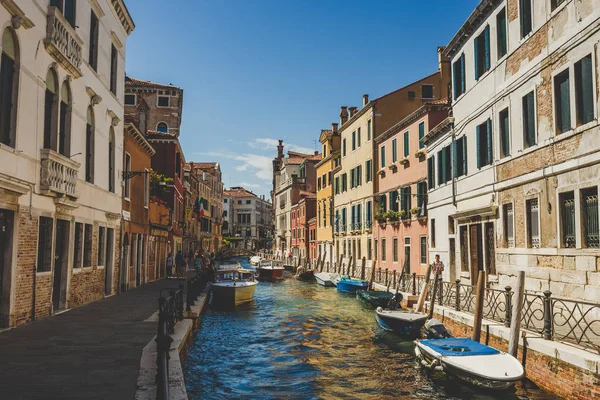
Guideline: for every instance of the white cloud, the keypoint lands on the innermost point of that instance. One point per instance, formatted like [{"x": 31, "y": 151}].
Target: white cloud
[
  {"x": 250, "y": 185},
  {"x": 261, "y": 166},
  {"x": 241, "y": 168},
  {"x": 271, "y": 144}
]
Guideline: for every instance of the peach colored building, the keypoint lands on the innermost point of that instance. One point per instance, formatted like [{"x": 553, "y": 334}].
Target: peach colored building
[{"x": 401, "y": 219}]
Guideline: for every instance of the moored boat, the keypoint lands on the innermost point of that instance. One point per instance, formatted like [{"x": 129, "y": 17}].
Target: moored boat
[
  {"x": 403, "y": 322},
  {"x": 233, "y": 286},
  {"x": 255, "y": 260},
  {"x": 470, "y": 361},
  {"x": 377, "y": 298},
  {"x": 326, "y": 278},
  {"x": 305, "y": 275},
  {"x": 269, "y": 271},
  {"x": 351, "y": 285}
]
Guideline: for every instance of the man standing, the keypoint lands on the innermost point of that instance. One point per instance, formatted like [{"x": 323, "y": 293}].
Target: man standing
[
  {"x": 169, "y": 265},
  {"x": 438, "y": 266}
]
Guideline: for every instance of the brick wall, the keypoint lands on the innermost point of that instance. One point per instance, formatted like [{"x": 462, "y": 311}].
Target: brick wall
[
  {"x": 529, "y": 50},
  {"x": 87, "y": 284},
  {"x": 549, "y": 373},
  {"x": 513, "y": 10}
]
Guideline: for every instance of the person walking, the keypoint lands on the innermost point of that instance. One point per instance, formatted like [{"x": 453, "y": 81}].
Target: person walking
[
  {"x": 169, "y": 265},
  {"x": 438, "y": 266},
  {"x": 180, "y": 264}
]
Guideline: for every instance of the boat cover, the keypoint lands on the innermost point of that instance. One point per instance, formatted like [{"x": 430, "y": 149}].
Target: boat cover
[{"x": 459, "y": 347}]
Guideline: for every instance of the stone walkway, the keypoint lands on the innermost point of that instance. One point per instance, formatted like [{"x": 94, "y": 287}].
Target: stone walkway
[{"x": 90, "y": 352}]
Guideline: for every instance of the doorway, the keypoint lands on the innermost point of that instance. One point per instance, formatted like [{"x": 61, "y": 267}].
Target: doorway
[
  {"x": 476, "y": 251},
  {"x": 452, "y": 251},
  {"x": 407, "y": 254},
  {"x": 6, "y": 245},
  {"x": 61, "y": 264},
  {"x": 109, "y": 263}
]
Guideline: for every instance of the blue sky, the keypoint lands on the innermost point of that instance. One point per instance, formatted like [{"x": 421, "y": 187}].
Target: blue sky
[{"x": 254, "y": 71}]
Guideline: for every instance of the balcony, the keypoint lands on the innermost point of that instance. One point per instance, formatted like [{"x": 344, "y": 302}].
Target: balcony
[
  {"x": 58, "y": 174},
  {"x": 62, "y": 42}
]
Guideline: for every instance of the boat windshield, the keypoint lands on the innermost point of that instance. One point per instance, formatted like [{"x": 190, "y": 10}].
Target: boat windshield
[{"x": 235, "y": 275}]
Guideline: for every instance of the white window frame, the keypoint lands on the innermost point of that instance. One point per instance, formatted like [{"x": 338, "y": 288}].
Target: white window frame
[
  {"x": 527, "y": 239},
  {"x": 162, "y": 122}
]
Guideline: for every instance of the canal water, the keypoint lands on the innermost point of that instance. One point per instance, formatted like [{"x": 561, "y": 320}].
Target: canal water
[{"x": 299, "y": 340}]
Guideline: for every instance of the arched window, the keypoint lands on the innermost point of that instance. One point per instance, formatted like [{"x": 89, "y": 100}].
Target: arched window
[
  {"x": 111, "y": 159},
  {"x": 51, "y": 110},
  {"x": 64, "y": 127},
  {"x": 162, "y": 127},
  {"x": 9, "y": 87},
  {"x": 89, "y": 146}
]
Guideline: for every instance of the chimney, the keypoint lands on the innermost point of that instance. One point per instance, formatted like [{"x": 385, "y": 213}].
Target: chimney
[
  {"x": 343, "y": 115},
  {"x": 280, "y": 150},
  {"x": 365, "y": 99},
  {"x": 352, "y": 111},
  {"x": 316, "y": 152},
  {"x": 334, "y": 127}
]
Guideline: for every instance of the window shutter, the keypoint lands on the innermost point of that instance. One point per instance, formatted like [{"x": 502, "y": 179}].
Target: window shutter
[
  {"x": 444, "y": 161},
  {"x": 421, "y": 134},
  {"x": 408, "y": 199},
  {"x": 464, "y": 155},
  {"x": 430, "y": 170},
  {"x": 406, "y": 149},
  {"x": 439, "y": 167},
  {"x": 490, "y": 148},
  {"x": 455, "y": 158},
  {"x": 358, "y": 213},
  {"x": 486, "y": 35},
  {"x": 587, "y": 87},
  {"x": 462, "y": 73},
  {"x": 531, "y": 119},
  {"x": 476, "y": 57},
  {"x": 455, "y": 77},
  {"x": 478, "y": 146}
]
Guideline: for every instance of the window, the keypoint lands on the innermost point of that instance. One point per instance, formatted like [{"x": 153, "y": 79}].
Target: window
[
  {"x": 319, "y": 183},
  {"x": 44, "y": 257},
  {"x": 352, "y": 179},
  {"x": 533, "y": 223},
  {"x": 591, "y": 233},
  {"x": 67, "y": 8},
  {"x": 382, "y": 157},
  {"x": 556, "y": 3},
  {"x": 163, "y": 101},
  {"x": 406, "y": 201},
  {"x": 368, "y": 130},
  {"x": 240, "y": 202},
  {"x": 431, "y": 172},
  {"x": 162, "y": 127},
  {"x": 329, "y": 177},
  {"x": 358, "y": 175},
  {"x": 324, "y": 180},
  {"x": 567, "y": 212},
  {"x": 344, "y": 220},
  {"x": 422, "y": 198},
  {"x": 584, "y": 89},
  {"x": 406, "y": 144},
  {"x": 9, "y": 88},
  {"x": 344, "y": 182},
  {"x": 64, "y": 121},
  {"x": 337, "y": 185},
  {"x": 529, "y": 120},
  {"x": 344, "y": 147},
  {"x": 562, "y": 102},
  {"x": 101, "y": 245},
  {"x": 458, "y": 80},
  {"x": 382, "y": 203},
  {"x": 130, "y": 100},
  {"x": 504, "y": 133},
  {"x": 358, "y": 137},
  {"x": 525, "y": 15},
  {"x": 369, "y": 213},
  {"x": 127, "y": 169},
  {"x": 394, "y": 150},
  {"x": 375, "y": 248},
  {"x": 484, "y": 144},
  {"x": 89, "y": 146},
  {"x": 369, "y": 171},
  {"x": 369, "y": 249},
  {"x": 248, "y": 201},
  {"x": 353, "y": 140},
  {"x": 113, "y": 69},
  {"x": 146, "y": 188},
  {"x": 382, "y": 250},
  {"x": 423, "y": 248},
  {"x": 509, "y": 230},
  {"x": 78, "y": 245},
  {"x": 395, "y": 249},
  {"x": 178, "y": 164},
  {"x": 427, "y": 91},
  {"x": 444, "y": 165},
  {"x": 411, "y": 95},
  {"x": 93, "y": 44},
  {"x": 432, "y": 233},
  {"x": 421, "y": 134},
  {"x": 87, "y": 246},
  {"x": 393, "y": 200},
  {"x": 482, "y": 53},
  {"x": 502, "y": 47},
  {"x": 460, "y": 157},
  {"x": 225, "y": 214},
  {"x": 111, "y": 159},
  {"x": 51, "y": 110}
]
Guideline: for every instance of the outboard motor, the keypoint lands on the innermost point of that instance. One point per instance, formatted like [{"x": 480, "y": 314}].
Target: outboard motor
[
  {"x": 395, "y": 301},
  {"x": 434, "y": 329}
]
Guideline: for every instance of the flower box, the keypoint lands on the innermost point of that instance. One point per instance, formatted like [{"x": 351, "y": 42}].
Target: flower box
[
  {"x": 420, "y": 153},
  {"x": 404, "y": 161},
  {"x": 415, "y": 210}
]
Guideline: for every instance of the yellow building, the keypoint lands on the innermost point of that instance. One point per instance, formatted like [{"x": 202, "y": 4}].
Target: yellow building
[{"x": 330, "y": 150}]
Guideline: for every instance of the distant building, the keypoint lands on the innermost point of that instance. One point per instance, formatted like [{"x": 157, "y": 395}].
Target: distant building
[
  {"x": 247, "y": 217},
  {"x": 209, "y": 173}
]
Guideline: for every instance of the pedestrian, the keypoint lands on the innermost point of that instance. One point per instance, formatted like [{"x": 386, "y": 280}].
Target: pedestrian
[
  {"x": 438, "y": 266},
  {"x": 169, "y": 265},
  {"x": 180, "y": 264}
]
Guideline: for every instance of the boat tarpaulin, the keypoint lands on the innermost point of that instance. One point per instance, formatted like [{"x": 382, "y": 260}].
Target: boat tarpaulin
[{"x": 459, "y": 347}]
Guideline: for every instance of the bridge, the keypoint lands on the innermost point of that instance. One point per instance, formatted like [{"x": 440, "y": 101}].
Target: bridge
[{"x": 238, "y": 252}]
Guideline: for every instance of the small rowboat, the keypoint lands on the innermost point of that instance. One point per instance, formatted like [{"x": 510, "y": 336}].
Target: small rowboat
[
  {"x": 351, "y": 285},
  {"x": 403, "y": 322},
  {"x": 470, "y": 361},
  {"x": 306, "y": 276},
  {"x": 326, "y": 278},
  {"x": 377, "y": 298}
]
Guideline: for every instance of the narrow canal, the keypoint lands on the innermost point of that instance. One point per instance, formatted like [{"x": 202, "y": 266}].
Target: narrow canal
[{"x": 303, "y": 341}]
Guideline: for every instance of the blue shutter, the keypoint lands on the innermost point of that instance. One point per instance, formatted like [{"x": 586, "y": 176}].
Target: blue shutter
[
  {"x": 455, "y": 158},
  {"x": 359, "y": 213},
  {"x": 406, "y": 149},
  {"x": 421, "y": 134},
  {"x": 486, "y": 35},
  {"x": 478, "y": 145},
  {"x": 462, "y": 73},
  {"x": 490, "y": 148},
  {"x": 408, "y": 197},
  {"x": 464, "y": 154},
  {"x": 455, "y": 77},
  {"x": 587, "y": 90},
  {"x": 476, "y": 56}
]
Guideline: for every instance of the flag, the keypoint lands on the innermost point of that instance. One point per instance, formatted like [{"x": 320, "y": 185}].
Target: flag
[
  {"x": 422, "y": 213},
  {"x": 201, "y": 209}
]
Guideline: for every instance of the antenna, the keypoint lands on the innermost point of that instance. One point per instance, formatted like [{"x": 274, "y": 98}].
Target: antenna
[{"x": 315, "y": 144}]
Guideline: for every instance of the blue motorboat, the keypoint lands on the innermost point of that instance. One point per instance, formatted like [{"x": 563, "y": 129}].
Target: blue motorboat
[
  {"x": 351, "y": 285},
  {"x": 403, "y": 322}
]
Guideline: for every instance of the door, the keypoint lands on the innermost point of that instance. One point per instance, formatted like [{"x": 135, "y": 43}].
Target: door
[
  {"x": 61, "y": 261},
  {"x": 475, "y": 250},
  {"x": 452, "y": 251},
  {"x": 109, "y": 263},
  {"x": 138, "y": 260},
  {"x": 490, "y": 244},
  {"x": 6, "y": 244},
  {"x": 407, "y": 254}
]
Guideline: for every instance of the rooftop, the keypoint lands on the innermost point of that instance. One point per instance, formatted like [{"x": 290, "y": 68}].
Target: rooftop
[
  {"x": 238, "y": 192},
  {"x": 129, "y": 81}
]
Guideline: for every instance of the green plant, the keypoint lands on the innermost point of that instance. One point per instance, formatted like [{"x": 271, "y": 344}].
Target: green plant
[
  {"x": 392, "y": 215},
  {"x": 415, "y": 210},
  {"x": 159, "y": 183}
]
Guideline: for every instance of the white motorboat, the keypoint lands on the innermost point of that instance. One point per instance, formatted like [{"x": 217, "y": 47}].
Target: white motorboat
[
  {"x": 233, "y": 286},
  {"x": 269, "y": 271},
  {"x": 255, "y": 260},
  {"x": 470, "y": 361},
  {"x": 326, "y": 278},
  {"x": 407, "y": 323}
]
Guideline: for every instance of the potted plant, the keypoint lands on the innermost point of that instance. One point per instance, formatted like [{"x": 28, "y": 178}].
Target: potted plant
[
  {"x": 420, "y": 153},
  {"x": 402, "y": 213},
  {"x": 381, "y": 172},
  {"x": 393, "y": 166},
  {"x": 404, "y": 161},
  {"x": 415, "y": 210},
  {"x": 392, "y": 216}
]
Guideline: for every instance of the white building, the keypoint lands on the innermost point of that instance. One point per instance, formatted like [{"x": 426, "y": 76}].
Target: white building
[
  {"x": 516, "y": 178},
  {"x": 248, "y": 217},
  {"x": 61, "y": 143}
]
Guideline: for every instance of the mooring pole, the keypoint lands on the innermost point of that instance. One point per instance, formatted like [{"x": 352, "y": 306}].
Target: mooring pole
[
  {"x": 515, "y": 323},
  {"x": 478, "y": 315},
  {"x": 432, "y": 301},
  {"x": 424, "y": 290},
  {"x": 362, "y": 268},
  {"x": 372, "y": 278}
]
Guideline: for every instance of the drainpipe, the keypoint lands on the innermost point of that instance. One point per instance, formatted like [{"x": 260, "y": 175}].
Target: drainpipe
[{"x": 375, "y": 177}]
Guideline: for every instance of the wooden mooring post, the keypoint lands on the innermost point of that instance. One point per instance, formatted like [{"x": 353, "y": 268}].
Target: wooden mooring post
[
  {"x": 423, "y": 294},
  {"x": 433, "y": 295},
  {"x": 339, "y": 265},
  {"x": 372, "y": 278},
  {"x": 362, "y": 268},
  {"x": 515, "y": 323},
  {"x": 478, "y": 314}
]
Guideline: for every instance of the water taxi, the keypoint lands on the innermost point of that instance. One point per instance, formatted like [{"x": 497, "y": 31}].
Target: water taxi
[{"x": 232, "y": 286}]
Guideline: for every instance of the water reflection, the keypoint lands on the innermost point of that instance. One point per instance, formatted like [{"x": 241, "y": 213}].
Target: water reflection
[{"x": 302, "y": 341}]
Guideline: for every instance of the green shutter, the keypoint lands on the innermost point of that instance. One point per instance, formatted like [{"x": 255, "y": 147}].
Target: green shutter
[
  {"x": 486, "y": 36},
  {"x": 394, "y": 150},
  {"x": 464, "y": 155},
  {"x": 525, "y": 15},
  {"x": 462, "y": 74},
  {"x": 455, "y": 78},
  {"x": 421, "y": 134},
  {"x": 406, "y": 149},
  {"x": 431, "y": 171},
  {"x": 439, "y": 167},
  {"x": 562, "y": 101},
  {"x": 476, "y": 57},
  {"x": 408, "y": 199},
  {"x": 478, "y": 145},
  {"x": 505, "y": 133},
  {"x": 587, "y": 87},
  {"x": 455, "y": 158},
  {"x": 529, "y": 119},
  {"x": 490, "y": 148},
  {"x": 382, "y": 158},
  {"x": 501, "y": 30}
]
